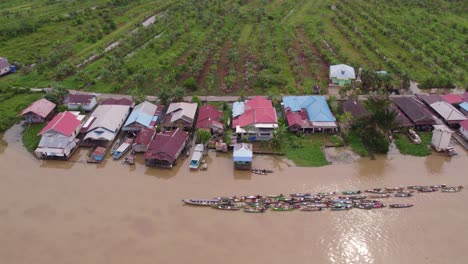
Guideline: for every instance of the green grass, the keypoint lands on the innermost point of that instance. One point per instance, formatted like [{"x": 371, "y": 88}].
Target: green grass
[
  {"x": 406, "y": 147},
  {"x": 30, "y": 137},
  {"x": 354, "y": 141},
  {"x": 11, "y": 107},
  {"x": 306, "y": 151}
]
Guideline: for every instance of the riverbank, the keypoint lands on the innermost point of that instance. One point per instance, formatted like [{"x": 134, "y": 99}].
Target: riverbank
[{"x": 83, "y": 205}]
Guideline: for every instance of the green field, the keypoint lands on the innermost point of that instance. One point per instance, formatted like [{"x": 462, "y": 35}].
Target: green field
[
  {"x": 407, "y": 147},
  {"x": 229, "y": 47}
]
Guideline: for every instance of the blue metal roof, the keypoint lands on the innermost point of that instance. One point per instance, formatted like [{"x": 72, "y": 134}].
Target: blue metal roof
[
  {"x": 464, "y": 106},
  {"x": 142, "y": 114},
  {"x": 315, "y": 105}
]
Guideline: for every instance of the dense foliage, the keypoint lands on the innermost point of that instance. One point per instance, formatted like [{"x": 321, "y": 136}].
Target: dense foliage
[{"x": 231, "y": 47}]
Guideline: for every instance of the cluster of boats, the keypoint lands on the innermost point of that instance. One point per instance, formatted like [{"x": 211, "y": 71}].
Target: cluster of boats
[{"x": 334, "y": 201}]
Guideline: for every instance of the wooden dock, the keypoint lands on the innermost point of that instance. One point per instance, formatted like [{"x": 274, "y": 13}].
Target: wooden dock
[{"x": 460, "y": 140}]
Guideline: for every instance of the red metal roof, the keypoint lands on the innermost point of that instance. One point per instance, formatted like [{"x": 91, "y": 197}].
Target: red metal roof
[
  {"x": 465, "y": 97},
  {"x": 79, "y": 98},
  {"x": 167, "y": 145},
  {"x": 299, "y": 118},
  {"x": 452, "y": 98},
  {"x": 208, "y": 115},
  {"x": 258, "y": 110},
  {"x": 122, "y": 101},
  {"x": 464, "y": 124},
  {"x": 41, "y": 107},
  {"x": 64, "y": 123},
  {"x": 145, "y": 136}
]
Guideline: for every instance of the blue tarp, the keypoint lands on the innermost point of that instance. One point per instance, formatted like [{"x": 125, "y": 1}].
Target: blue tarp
[
  {"x": 315, "y": 105},
  {"x": 238, "y": 109}
]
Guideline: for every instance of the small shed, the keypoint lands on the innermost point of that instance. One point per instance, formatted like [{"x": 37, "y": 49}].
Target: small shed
[
  {"x": 39, "y": 112},
  {"x": 441, "y": 136},
  {"x": 243, "y": 155},
  {"x": 341, "y": 74},
  {"x": 464, "y": 129}
]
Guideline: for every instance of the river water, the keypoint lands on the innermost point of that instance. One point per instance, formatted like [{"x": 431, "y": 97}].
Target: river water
[{"x": 73, "y": 212}]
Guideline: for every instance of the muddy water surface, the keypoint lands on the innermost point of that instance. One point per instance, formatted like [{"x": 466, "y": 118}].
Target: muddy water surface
[{"x": 73, "y": 212}]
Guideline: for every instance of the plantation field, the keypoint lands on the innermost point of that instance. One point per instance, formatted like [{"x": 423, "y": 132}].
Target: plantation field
[{"x": 229, "y": 47}]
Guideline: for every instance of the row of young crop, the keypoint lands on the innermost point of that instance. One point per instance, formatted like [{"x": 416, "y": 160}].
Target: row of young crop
[{"x": 441, "y": 60}]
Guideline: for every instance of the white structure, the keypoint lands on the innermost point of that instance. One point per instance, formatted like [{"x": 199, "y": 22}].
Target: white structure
[
  {"x": 448, "y": 112},
  {"x": 59, "y": 136},
  {"x": 105, "y": 122},
  {"x": 441, "y": 137},
  {"x": 341, "y": 74},
  {"x": 87, "y": 102},
  {"x": 464, "y": 129}
]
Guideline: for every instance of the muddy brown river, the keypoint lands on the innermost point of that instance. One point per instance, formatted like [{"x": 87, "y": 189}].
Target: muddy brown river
[{"x": 73, "y": 212}]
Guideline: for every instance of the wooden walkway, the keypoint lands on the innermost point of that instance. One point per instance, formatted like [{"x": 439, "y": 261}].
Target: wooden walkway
[{"x": 460, "y": 140}]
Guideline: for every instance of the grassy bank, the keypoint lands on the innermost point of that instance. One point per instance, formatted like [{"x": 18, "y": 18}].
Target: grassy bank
[
  {"x": 306, "y": 151},
  {"x": 406, "y": 147},
  {"x": 10, "y": 108},
  {"x": 354, "y": 141},
  {"x": 30, "y": 137}
]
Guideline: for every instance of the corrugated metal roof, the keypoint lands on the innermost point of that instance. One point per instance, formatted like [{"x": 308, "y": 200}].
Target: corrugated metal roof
[
  {"x": 167, "y": 145},
  {"x": 448, "y": 111},
  {"x": 342, "y": 71},
  {"x": 243, "y": 152},
  {"x": 354, "y": 107},
  {"x": 316, "y": 107},
  {"x": 453, "y": 98},
  {"x": 464, "y": 124},
  {"x": 109, "y": 119},
  {"x": 415, "y": 110},
  {"x": 143, "y": 114},
  {"x": 182, "y": 110},
  {"x": 64, "y": 123},
  {"x": 41, "y": 107}
]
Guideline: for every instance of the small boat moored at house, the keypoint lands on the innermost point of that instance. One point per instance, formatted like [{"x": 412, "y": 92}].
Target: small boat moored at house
[
  {"x": 351, "y": 192},
  {"x": 96, "y": 154},
  {"x": 122, "y": 148},
  {"x": 196, "y": 156}
]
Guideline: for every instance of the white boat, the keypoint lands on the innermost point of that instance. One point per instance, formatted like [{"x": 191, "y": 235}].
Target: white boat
[
  {"x": 122, "y": 148},
  {"x": 196, "y": 156}
]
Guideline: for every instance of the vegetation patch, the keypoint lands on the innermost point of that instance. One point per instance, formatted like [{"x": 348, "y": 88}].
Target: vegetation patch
[
  {"x": 11, "y": 105},
  {"x": 354, "y": 141},
  {"x": 306, "y": 150},
  {"x": 407, "y": 147},
  {"x": 30, "y": 137}
]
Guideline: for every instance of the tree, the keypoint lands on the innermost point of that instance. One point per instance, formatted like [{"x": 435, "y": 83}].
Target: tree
[
  {"x": 137, "y": 95},
  {"x": 178, "y": 94},
  {"x": 57, "y": 95},
  {"x": 204, "y": 135},
  {"x": 375, "y": 127},
  {"x": 165, "y": 95}
]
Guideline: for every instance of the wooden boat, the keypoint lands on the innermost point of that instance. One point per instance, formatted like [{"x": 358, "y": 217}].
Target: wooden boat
[
  {"x": 96, "y": 154},
  {"x": 225, "y": 207},
  {"x": 311, "y": 209},
  {"x": 120, "y": 148},
  {"x": 326, "y": 193},
  {"x": 403, "y": 194},
  {"x": 416, "y": 187},
  {"x": 378, "y": 191},
  {"x": 130, "y": 159},
  {"x": 282, "y": 208},
  {"x": 275, "y": 196},
  {"x": 395, "y": 189},
  {"x": 340, "y": 208},
  {"x": 366, "y": 206},
  {"x": 261, "y": 171},
  {"x": 357, "y": 197},
  {"x": 379, "y": 196},
  {"x": 351, "y": 192},
  {"x": 438, "y": 186},
  {"x": 299, "y": 194},
  {"x": 255, "y": 210},
  {"x": 428, "y": 189},
  {"x": 196, "y": 157},
  {"x": 452, "y": 189},
  {"x": 202, "y": 202},
  {"x": 400, "y": 205}
]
